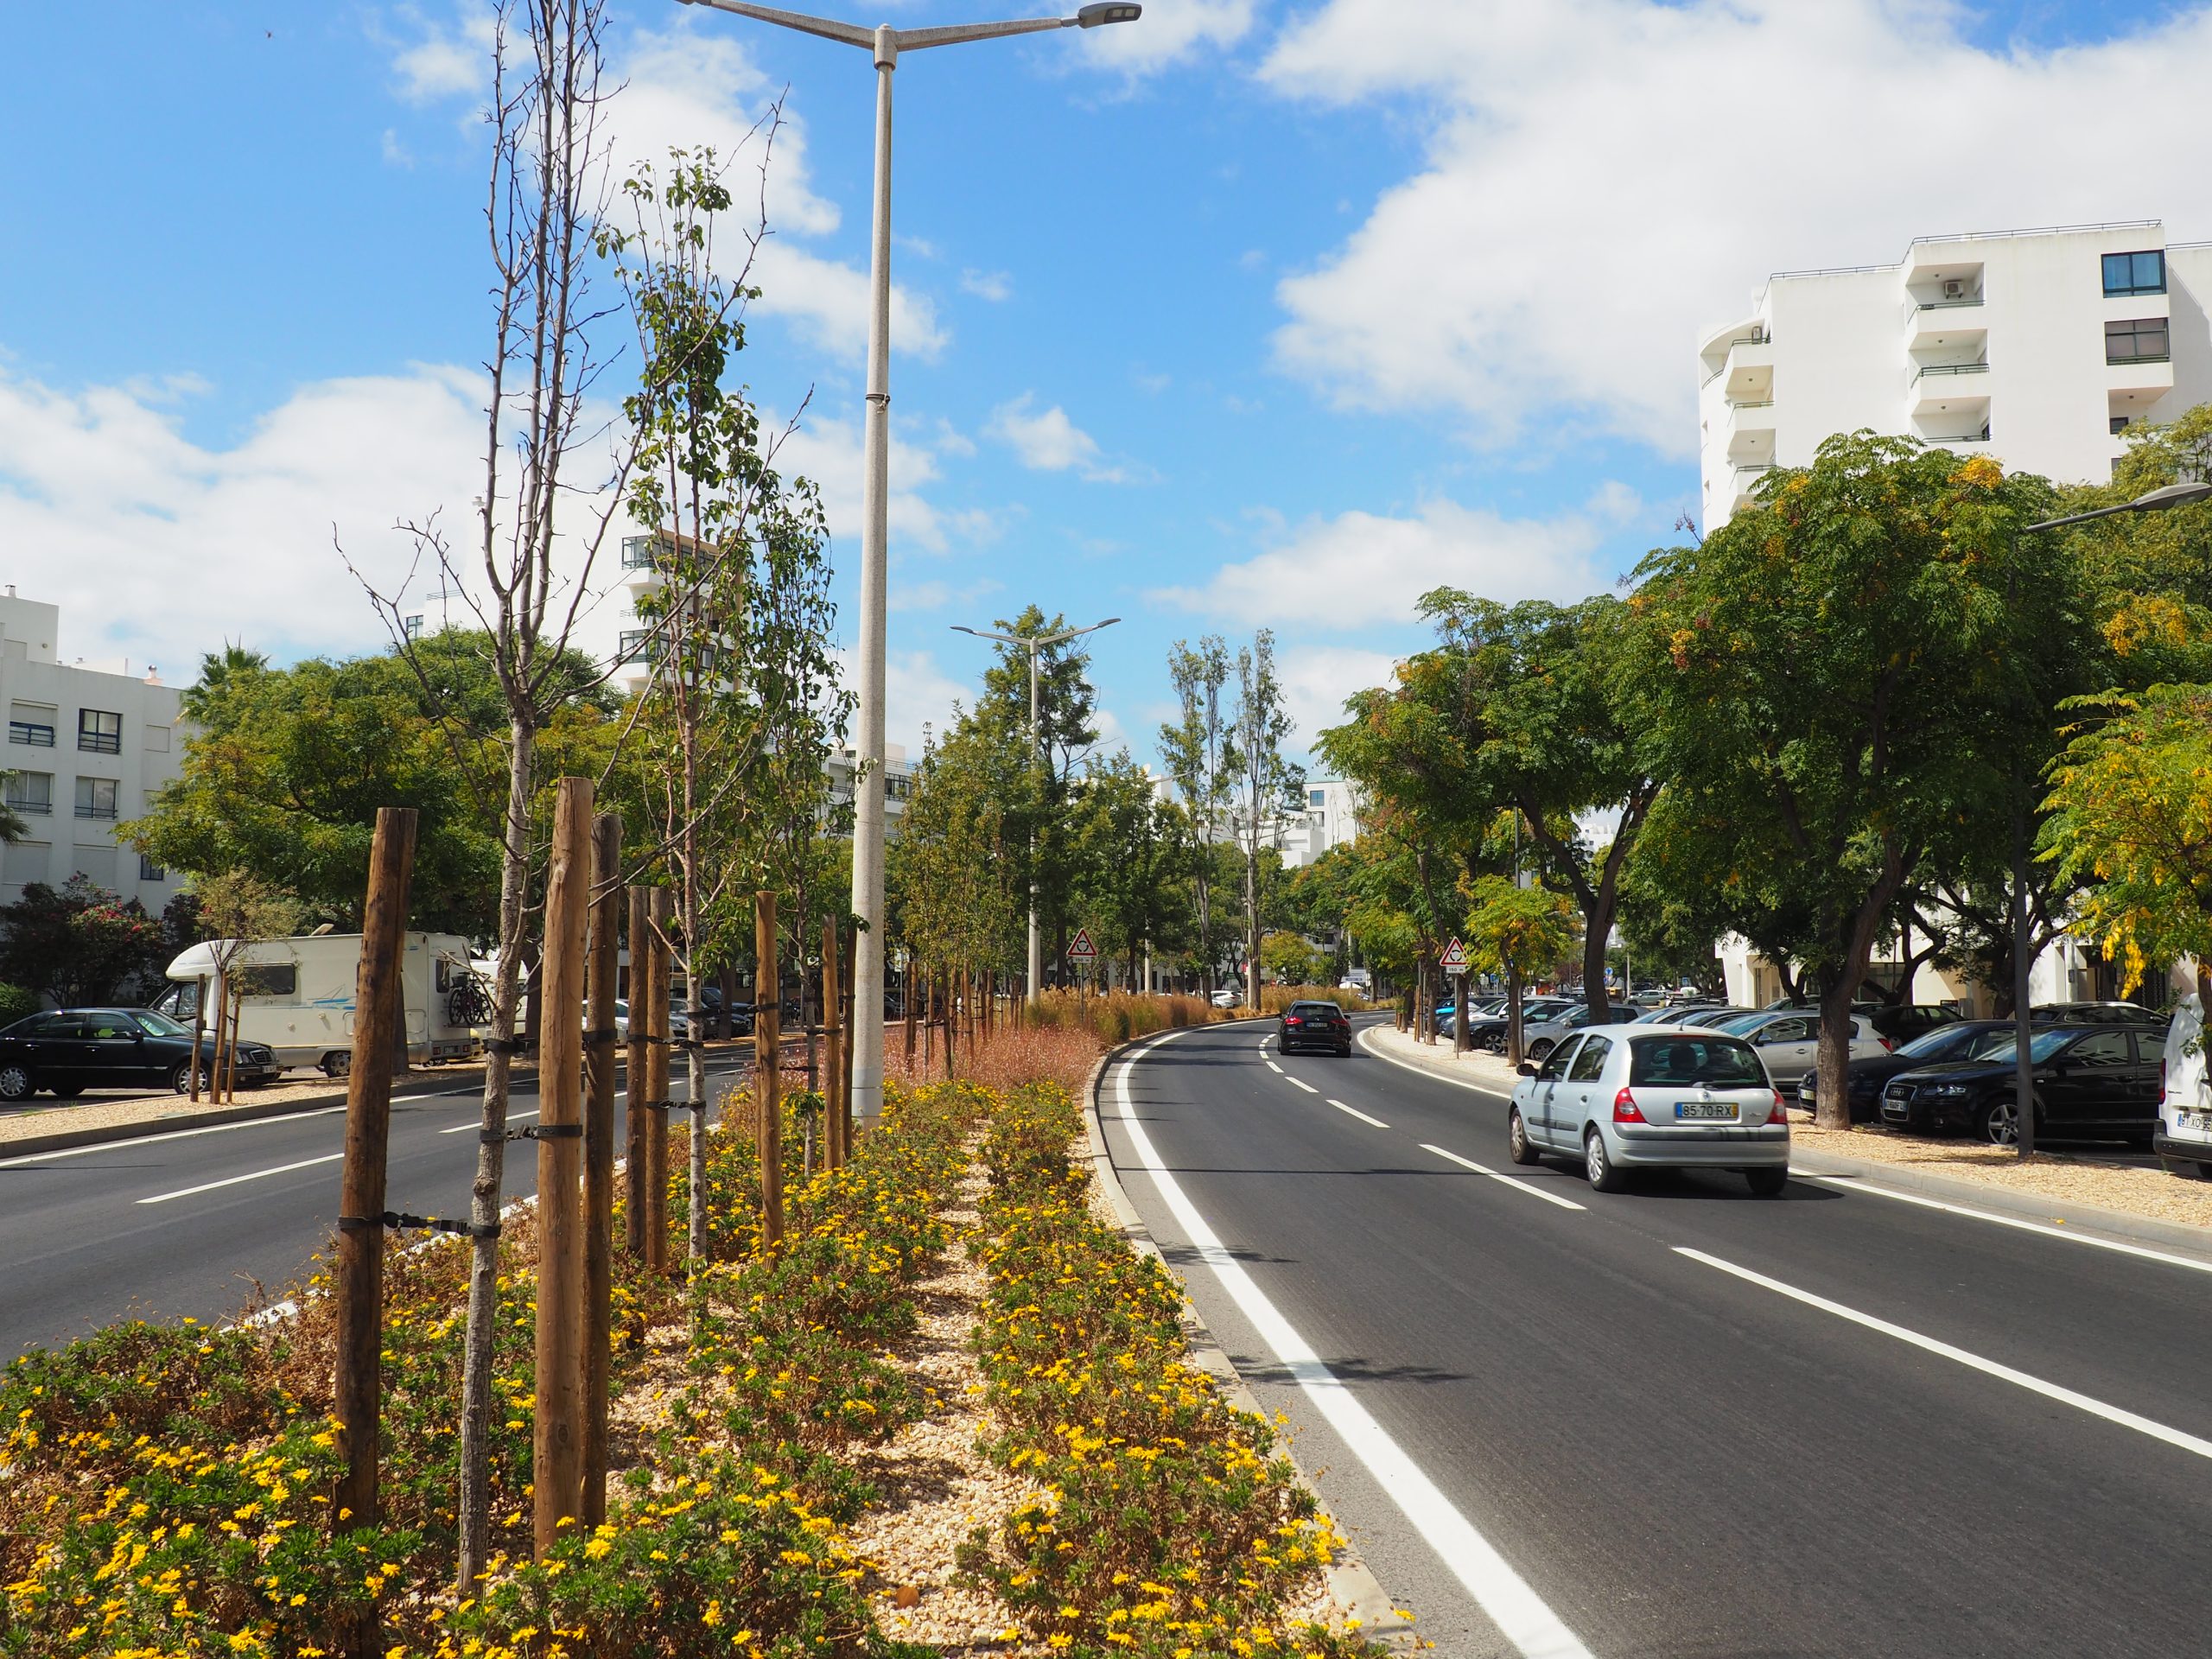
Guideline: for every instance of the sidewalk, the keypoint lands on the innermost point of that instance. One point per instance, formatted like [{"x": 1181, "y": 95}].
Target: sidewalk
[{"x": 2064, "y": 1190}]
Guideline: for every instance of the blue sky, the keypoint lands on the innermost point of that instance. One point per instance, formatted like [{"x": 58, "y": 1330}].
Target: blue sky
[{"x": 1246, "y": 314}]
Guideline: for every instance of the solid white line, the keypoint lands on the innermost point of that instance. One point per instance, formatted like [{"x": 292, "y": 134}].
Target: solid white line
[
  {"x": 1356, "y": 1113},
  {"x": 512, "y": 1118},
  {"x": 1853, "y": 1183},
  {"x": 171, "y": 1135},
  {"x": 2157, "y": 1431},
  {"x": 1300, "y": 1083},
  {"x": 1504, "y": 1594},
  {"x": 209, "y": 1186},
  {"x": 1529, "y": 1187},
  {"x": 1491, "y": 1090}
]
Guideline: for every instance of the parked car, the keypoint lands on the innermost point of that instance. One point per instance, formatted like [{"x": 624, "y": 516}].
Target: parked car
[
  {"x": 1901, "y": 1022},
  {"x": 679, "y": 1021},
  {"x": 1712, "y": 1016},
  {"x": 1962, "y": 1040},
  {"x": 2094, "y": 1013},
  {"x": 1489, "y": 1031},
  {"x": 1629, "y": 1096},
  {"x": 1787, "y": 1044},
  {"x": 2096, "y": 1081},
  {"x": 1315, "y": 1026},
  {"x": 2183, "y": 1137},
  {"x": 1225, "y": 998},
  {"x": 70, "y": 1050},
  {"x": 1676, "y": 1015},
  {"x": 1539, "y": 1039}
]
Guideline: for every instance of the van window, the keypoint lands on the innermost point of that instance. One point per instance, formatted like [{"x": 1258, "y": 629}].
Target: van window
[
  {"x": 1716, "y": 1061},
  {"x": 269, "y": 979}
]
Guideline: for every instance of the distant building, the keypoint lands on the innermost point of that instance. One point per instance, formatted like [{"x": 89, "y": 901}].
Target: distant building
[
  {"x": 88, "y": 745},
  {"x": 1331, "y": 819},
  {"x": 897, "y": 783},
  {"x": 2039, "y": 347}
]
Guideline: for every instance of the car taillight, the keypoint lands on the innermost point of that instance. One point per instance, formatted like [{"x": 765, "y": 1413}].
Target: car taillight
[
  {"x": 1781, "y": 1112},
  {"x": 1626, "y": 1110},
  {"x": 1888, "y": 1048},
  {"x": 1293, "y": 1020}
]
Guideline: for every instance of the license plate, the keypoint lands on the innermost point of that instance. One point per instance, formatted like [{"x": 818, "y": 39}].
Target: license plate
[
  {"x": 1705, "y": 1109},
  {"x": 2193, "y": 1119}
]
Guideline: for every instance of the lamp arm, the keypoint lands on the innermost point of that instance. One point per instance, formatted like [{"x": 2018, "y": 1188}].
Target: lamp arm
[
  {"x": 913, "y": 40},
  {"x": 828, "y": 28}
]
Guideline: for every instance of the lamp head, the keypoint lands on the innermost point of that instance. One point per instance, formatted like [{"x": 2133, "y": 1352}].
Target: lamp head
[
  {"x": 1109, "y": 11},
  {"x": 2170, "y": 495}
]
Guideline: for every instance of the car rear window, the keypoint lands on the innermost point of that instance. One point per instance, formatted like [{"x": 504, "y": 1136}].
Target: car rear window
[
  {"x": 1314, "y": 1010},
  {"x": 1716, "y": 1061}
]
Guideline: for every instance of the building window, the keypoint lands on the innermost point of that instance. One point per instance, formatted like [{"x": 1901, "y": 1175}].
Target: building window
[
  {"x": 2135, "y": 273},
  {"x": 634, "y": 645},
  {"x": 31, "y": 731},
  {"x": 2119, "y": 424},
  {"x": 411, "y": 627},
  {"x": 150, "y": 871},
  {"x": 2139, "y": 340},
  {"x": 99, "y": 731},
  {"x": 96, "y": 798},
  {"x": 31, "y": 791},
  {"x": 1317, "y": 797}
]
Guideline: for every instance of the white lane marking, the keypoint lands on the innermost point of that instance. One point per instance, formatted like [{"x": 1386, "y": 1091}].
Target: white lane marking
[
  {"x": 171, "y": 1134},
  {"x": 1853, "y": 1183},
  {"x": 2157, "y": 1431},
  {"x": 1272, "y": 1067},
  {"x": 1503, "y": 1593},
  {"x": 232, "y": 1181},
  {"x": 1491, "y": 1090},
  {"x": 512, "y": 1118},
  {"x": 1356, "y": 1113},
  {"x": 1529, "y": 1187},
  {"x": 1300, "y": 1083}
]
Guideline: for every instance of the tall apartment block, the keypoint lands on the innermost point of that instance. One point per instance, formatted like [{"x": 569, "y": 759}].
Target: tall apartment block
[
  {"x": 2038, "y": 348},
  {"x": 87, "y": 748}
]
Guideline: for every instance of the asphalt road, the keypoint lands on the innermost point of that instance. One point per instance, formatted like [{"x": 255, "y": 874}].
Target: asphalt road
[
  {"x": 1552, "y": 1431},
  {"x": 188, "y": 1221}
]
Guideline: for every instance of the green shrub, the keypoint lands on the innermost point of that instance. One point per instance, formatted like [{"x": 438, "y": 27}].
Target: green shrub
[{"x": 16, "y": 1003}]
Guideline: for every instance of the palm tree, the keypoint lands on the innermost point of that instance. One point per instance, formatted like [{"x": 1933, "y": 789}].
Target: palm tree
[{"x": 218, "y": 669}]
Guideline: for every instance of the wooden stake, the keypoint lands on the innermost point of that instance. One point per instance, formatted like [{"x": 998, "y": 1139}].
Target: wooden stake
[
  {"x": 656, "y": 1082},
  {"x": 379, "y": 1000},
  {"x": 557, "y": 1444},
  {"x": 844, "y": 1104},
  {"x": 604, "y": 950},
  {"x": 906, "y": 997},
  {"x": 833, "y": 1045},
  {"x": 638, "y": 1088},
  {"x": 767, "y": 1079}
]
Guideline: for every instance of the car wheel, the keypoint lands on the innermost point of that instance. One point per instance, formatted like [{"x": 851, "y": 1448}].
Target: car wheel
[
  {"x": 2188, "y": 1168},
  {"x": 1767, "y": 1183},
  {"x": 181, "y": 1077},
  {"x": 1541, "y": 1048},
  {"x": 17, "y": 1083},
  {"x": 1605, "y": 1176},
  {"x": 1493, "y": 1045},
  {"x": 1518, "y": 1146},
  {"x": 335, "y": 1065},
  {"x": 1998, "y": 1122}
]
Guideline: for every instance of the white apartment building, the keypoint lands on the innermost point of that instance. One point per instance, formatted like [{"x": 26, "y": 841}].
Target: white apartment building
[
  {"x": 2038, "y": 348},
  {"x": 87, "y": 748},
  {"x": 1331, "y": 819}
]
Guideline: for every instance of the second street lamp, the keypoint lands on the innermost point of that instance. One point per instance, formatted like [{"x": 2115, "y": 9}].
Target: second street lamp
[
  {"x": 886, "y": 43},
  {"x": 1034, "y": 643}
]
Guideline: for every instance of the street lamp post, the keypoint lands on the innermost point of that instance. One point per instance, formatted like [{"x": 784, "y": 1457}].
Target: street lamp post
[
  {"x": 1035, "y": 643},
  {"x": 885, "y": 43},
  {"x": 2161, "y": 500}
]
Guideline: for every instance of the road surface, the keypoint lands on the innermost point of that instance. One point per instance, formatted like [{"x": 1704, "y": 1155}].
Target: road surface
[{"x": 1680, "y": 1420}]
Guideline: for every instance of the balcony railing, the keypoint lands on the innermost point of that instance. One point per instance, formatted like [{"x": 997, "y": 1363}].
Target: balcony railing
[
  {"x": 1932, "y": 371},
  {"x": 99, "y": 742},
  {"x": 2130, "y": 360},
  {"x": 1753, "y": 403},
  {"x": 94, "y": 810},
  {"x": 1949, "y": 305},
  {"x": 637, "y": 553},
  {"x": 39, "y": 737},
  {"x": 635, "y": 646},
  {"x": 40, "y": 808}
]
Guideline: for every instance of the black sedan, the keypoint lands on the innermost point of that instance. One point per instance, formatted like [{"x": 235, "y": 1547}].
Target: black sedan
[
  {"x": 1314, "y": 1025},
  {"x": 1962, "y": 1040},
  {"x": 71, "y": 1050},
  {"x": 2102, "y": 1082}
]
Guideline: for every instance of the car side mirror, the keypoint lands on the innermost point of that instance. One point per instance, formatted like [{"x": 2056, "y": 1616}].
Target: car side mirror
[{"x": 1528, "y": 1068}]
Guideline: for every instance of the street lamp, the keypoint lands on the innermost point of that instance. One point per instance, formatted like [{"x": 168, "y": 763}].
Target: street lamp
[
  {"x": 885, "y": 43},
  {"x": 1034, "y": 643},
  {"x": 2164, "y": 498}
]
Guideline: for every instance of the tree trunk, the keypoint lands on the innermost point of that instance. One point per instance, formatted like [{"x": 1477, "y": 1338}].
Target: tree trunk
[
  {"x": 1839, "y": 986},
  {"x": 475, "y": 1516}
]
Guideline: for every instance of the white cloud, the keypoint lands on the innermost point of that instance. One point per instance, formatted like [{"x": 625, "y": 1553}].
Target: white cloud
[
  {"x": 1604, "y": 178},
  {"x": 916, "y": 693},
  {"x": 993, "y": 285},
  {"x": 829, "y": 452},
  {"x": 1171, "y": 31},
  {"x": 1316, "y": 680},
  {"x": 1361, "y": 570},
  {"x": 446, "y": 60},
  {"x": 1049, "y": 442}
]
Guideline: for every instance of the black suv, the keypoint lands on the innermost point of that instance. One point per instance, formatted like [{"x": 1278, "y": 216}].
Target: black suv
[
  {"x": 2099, "y": 1082},
  {"x": 1314, "y": 1025}
]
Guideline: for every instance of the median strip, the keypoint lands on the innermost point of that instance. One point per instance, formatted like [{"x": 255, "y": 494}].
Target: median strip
[{"x": 2095, "y": 1407}]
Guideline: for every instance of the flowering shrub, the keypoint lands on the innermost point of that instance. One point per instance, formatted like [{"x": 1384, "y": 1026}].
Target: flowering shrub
[{"x": 1171, "y": 1524}]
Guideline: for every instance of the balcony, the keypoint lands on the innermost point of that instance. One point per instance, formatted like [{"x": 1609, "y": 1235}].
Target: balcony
[
  {"x": 634, "y": 646},
  {"x": 1954, "y": 326},
  {"x": 637, "y": 552},
  {"x": 1742, "y": 480},
  {"x": 1958, "y": 390},
  {"x": 1750, "y": 431}
]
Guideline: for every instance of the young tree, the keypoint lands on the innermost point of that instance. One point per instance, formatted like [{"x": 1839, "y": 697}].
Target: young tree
[
  {"x": 1524, "y": 932},
  {"x": 1202, "y": 759},
  {"x": 1265, "y": 784},
  {"x": 1833, "y": 680},
  {"x": 240, "y": 909},
  {"x": 1132, "y": 852}
]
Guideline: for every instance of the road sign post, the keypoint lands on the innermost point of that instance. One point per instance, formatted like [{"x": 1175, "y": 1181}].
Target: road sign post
[{"x": 1083, "y": 953}]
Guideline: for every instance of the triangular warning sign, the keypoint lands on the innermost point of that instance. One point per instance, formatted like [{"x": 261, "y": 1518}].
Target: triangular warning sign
[
  {"x": 1455, "y": 958},
  {"x": 1083, "y": 950}
]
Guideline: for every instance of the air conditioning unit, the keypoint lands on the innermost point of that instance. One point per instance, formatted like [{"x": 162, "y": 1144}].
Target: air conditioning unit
[{"x": 1954, "y": 289}]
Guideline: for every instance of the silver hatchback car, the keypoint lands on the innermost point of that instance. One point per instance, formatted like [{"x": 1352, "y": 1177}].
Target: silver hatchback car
[{"x": 1628, "y": 1098}]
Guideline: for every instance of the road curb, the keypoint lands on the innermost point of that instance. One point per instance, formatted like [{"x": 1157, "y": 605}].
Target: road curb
[
  {"x": 2021, "y": 1206},
  {"x": 1357, "y": 1593}
]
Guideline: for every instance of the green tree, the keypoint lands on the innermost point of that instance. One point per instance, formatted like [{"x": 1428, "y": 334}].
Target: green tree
[
  {"x": 1132, "y": 854},
  {"x": 1834, "y": 682},
  {"x": 79, "y": 943},
  {"x": 1524, "y": 932},
  {"x": 1202, "y": 758},
  {"x": 1291, "y": 959},
  {"x": 1266, "y": 786}
]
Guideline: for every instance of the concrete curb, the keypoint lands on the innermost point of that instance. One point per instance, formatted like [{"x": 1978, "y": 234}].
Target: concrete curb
[
  {"x": 1359, "y": 1594},
  {"x": 1968, "y": 1195}
]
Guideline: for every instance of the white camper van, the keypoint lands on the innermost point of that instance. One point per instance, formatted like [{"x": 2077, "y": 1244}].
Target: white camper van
[
  {"x": 2183, "y": 1137},
  {"x": 299, "y": 997}
]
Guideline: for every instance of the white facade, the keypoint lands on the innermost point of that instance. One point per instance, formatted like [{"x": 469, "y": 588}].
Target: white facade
[
  {"x": 2030, "y": 346},
  {"x": 87, "y": 748},
  {"x": 1331, "y": 819},
  {"x": 897, "y": 783}
]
